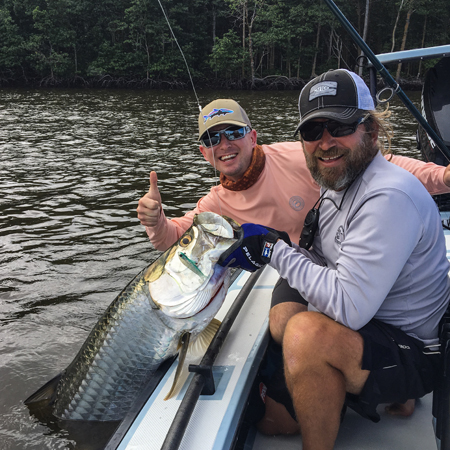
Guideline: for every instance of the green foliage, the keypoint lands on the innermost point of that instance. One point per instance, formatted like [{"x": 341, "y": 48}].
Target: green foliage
[
  {"x": 226, "y": 58},
  {"x": 131, "y": 38},
  {"x": 11, "y": 43}
]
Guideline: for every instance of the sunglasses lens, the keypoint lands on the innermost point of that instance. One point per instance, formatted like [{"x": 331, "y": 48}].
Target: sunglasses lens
[
  {"x": 210, "y": 139},
  {"x": 337, "y": 129},
  {"x": 233, "y": 135},
  {"x": 312, "y": 131}
]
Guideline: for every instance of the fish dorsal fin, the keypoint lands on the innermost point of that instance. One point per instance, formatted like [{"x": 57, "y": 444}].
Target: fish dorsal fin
[{"x": 191, "y": 353}]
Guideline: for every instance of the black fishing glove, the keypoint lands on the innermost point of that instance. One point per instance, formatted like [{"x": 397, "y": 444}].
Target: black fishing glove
[{"x": 254, "y": 249}]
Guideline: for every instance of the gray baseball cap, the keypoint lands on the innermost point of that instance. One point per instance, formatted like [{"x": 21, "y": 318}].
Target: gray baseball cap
[{"x": 337, "y": 94}]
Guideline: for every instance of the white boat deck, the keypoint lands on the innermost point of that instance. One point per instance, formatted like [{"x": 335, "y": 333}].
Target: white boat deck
[{"x": 396, "y": 433}]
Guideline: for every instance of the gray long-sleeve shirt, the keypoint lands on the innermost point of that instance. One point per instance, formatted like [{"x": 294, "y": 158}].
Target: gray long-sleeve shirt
[{"x": 382, "y": 255}]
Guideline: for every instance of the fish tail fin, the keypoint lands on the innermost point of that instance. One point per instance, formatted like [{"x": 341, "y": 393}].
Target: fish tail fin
[
  {"x": 191, "y": 352},
  {"x": 45, "y": 394}
]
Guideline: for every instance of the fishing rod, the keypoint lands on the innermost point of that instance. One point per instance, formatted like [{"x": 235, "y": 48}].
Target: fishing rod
[{"x": 388, "y": 78}]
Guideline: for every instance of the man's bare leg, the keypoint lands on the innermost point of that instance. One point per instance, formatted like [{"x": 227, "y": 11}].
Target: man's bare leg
[
  {"x": 322, "y": 362},
  {"x": 277, "y": 420},
  {"x": 279, "y": 316},
  {"x": 401, "y": 409}
]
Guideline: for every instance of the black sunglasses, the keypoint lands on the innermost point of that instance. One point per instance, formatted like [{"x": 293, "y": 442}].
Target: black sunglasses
[
  {"x": 212, "y": 138},
  {"x": 313, "y": 131}
]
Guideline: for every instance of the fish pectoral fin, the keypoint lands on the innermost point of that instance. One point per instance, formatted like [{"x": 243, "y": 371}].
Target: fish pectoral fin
[
  {"x": 46, "y": 393},
  {"x": 200, "y": 344},
  {"x": 191, "y": 352},
  {"x": 181, "y": 370}
]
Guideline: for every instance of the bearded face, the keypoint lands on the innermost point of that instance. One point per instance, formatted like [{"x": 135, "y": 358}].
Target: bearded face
[{"x": 339, "y": 177}]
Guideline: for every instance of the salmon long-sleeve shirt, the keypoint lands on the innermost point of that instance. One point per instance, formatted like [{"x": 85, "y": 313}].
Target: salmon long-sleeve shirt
[{"x": 281, "y": 197}]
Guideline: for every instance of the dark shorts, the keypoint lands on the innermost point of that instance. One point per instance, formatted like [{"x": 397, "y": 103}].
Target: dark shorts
[
  {"x": 283, "y": 293},
  {"x": 399, "y": 370}
]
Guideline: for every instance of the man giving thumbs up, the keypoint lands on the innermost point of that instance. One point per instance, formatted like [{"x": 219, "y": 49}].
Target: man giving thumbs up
[{"x": 149, "y": 208}]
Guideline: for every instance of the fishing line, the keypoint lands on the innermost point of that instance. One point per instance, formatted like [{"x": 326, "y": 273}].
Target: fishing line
[
  {"x": 196, "y": 96},
  {"x": 182, "y": 54}
]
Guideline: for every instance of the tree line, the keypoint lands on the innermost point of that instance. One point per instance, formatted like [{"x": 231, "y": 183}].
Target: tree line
[{"x": 225, "y": 43}]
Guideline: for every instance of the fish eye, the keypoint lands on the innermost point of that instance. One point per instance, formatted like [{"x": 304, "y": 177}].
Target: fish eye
[{"x": 185, "y": 240}]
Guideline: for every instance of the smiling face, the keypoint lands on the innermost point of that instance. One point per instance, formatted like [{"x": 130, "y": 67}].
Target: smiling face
[
  {"x": 232, "y": 158},
  {"x": 335, "y": 162}
]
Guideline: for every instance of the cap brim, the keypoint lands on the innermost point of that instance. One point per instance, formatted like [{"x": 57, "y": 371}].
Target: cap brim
[
  {"x": 344, "y": 115},
  {"x": 231, "y": 122}
]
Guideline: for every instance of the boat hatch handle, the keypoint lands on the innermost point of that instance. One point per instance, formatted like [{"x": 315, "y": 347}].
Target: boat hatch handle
[
  {"x": 181, "y": 420},
  {"x": 206, "y": 372},
  {"x": 388, "y": 78}
]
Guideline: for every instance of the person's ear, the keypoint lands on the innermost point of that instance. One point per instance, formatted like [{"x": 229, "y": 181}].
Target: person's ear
[
  {"x": 374, "y": 132},
  {"x": 253, "y": 137},
  {"x": 203, "y": 151}
]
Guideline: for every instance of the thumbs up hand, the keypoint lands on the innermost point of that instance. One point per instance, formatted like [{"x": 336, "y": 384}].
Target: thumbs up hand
[{"x": 149, "y": 206}]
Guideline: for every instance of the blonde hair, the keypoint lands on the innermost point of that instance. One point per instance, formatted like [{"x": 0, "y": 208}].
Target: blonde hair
[{"x": 385, "y": 132}]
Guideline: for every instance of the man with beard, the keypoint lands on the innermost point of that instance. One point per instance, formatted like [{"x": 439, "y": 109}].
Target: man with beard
[
  {"x": 376, "y": 274},
  {"x": 254, "y": 178}
]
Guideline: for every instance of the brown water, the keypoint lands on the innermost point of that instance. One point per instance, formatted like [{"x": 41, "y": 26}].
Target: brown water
[{"x": 73, "y": 165}]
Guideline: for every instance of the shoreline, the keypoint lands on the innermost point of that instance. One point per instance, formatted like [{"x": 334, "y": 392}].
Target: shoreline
[{"x": 272, "y": 82}]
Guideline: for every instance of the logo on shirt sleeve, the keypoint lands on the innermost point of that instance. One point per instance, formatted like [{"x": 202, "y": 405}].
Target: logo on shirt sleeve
[{"x": 339, "y": 238}]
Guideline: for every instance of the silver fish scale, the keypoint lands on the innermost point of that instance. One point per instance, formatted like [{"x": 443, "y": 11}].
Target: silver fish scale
[{"x": 123, "y": 350}]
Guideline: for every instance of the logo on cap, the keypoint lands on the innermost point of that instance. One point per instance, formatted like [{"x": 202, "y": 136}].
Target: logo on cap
[
  {"x": 217, "y": 112},
  {"x": 323, "y": 88}
]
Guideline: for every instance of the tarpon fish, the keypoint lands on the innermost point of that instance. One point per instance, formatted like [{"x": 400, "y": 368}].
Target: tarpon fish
[
  {"x": 169, "y": 303},
  {"x": 217, "y": 112}
]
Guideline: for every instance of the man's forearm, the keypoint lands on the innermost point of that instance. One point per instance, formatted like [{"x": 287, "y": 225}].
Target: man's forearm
[
  {"x": 168, "y": 231},
  {"x": 435, "y": 178}
]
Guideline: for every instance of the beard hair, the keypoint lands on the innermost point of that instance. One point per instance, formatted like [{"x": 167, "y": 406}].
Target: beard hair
[{"x": 357, "y": 161}]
